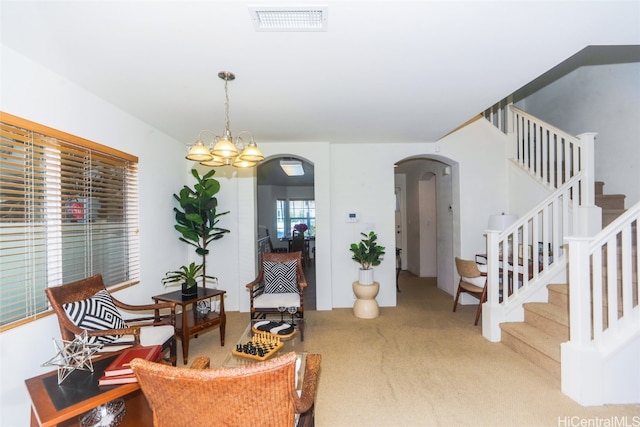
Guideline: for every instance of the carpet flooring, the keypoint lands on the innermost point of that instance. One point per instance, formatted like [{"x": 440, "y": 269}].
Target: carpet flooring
[{"x": 420, "y": 364}]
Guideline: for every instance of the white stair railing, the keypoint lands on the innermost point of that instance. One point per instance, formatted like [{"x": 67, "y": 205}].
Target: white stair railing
[
  {"x": 522, "y": 258},
  {"x": 602, "y": 353},
  {"x": 603, "y": 280}
]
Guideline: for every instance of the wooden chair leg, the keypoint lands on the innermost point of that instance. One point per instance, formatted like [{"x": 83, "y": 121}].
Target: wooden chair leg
[
  {"x": 455, "y": 303},
  {"x": 478, "y": 313}
]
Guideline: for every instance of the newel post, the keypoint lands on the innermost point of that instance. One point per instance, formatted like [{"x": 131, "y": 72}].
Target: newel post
[
  {"x": 492, "y": 311},
  {"x": 590, "y": 215}
]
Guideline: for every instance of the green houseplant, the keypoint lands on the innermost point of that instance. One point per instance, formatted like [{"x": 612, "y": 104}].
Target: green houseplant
[
  {"x": 368, "y": 254},
  {"x": 186, "y": 276},
  {"x": 197, "y": 217}
]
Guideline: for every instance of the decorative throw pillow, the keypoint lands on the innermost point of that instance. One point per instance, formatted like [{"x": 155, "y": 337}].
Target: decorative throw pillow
[
  {"x": 280, "y": 277},
  {"x": 97, "y": 313}
]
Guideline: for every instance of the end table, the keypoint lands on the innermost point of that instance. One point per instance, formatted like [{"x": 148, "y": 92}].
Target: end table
[{"x": 194, "y": 323}]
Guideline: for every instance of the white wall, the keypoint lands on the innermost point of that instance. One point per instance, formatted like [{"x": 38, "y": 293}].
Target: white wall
[
  {"x": 34, "y": 93},
  {"x": 604, "y": 99}
]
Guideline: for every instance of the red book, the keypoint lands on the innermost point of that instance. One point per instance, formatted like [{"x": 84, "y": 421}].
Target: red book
[
  {"x": 117, "y": 379},
  {"x": 121, "y": 364}
]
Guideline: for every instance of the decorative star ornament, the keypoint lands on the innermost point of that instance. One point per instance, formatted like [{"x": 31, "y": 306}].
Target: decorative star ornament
[{"x": 72, "y": 355}]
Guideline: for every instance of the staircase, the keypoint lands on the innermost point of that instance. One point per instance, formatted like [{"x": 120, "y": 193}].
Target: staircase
[
  {"x": 585, "y": 333},
  {"x": 546, "y": 325}
]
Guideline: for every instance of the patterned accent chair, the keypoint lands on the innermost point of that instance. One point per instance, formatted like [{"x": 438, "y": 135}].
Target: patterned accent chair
[
  {"x": 280, "y": 284},
  {"x": 257, "y": 394},
  {"x": 86, "y": 305}
]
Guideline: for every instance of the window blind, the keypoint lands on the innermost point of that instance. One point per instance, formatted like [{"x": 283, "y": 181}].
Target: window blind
[{"x": 68, "y": 210}]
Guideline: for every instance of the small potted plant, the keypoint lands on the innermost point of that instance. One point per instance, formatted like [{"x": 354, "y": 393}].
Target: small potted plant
[
  {"x": 187, "y": 277},
  {"x": 368, "y": 254}
]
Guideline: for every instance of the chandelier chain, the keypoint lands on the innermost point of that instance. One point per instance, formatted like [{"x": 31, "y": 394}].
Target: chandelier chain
[{"x": 226, "y": 105}]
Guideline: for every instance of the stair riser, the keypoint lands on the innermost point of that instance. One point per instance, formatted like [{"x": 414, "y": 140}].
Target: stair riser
[
  {"x": 531, "y": 354},
  {"x": 549, "y": 326},
  {"x": 560, "y": 299},
  {"x": 610, "y": 201}
]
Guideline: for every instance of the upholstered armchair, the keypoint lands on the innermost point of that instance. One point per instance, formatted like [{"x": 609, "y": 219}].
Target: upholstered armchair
[
  {"x": 257, "y": 394},
  {"x": 280, "y": 283},
  {"x": 86, "y": 305}
]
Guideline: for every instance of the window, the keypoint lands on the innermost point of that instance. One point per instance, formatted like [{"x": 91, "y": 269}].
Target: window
[
  {"x": 292, "y": 212},
  {"x": 68, "y": 210}
]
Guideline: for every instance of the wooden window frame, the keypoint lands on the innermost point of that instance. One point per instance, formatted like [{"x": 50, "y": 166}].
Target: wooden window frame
[{"x": 68, "y": 210}]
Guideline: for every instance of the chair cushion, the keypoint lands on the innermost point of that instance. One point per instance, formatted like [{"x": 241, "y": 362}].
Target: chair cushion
[
  {"x": 97, "y": 313},
  {"x": 277, "y": 300},
  {"x": 479, "y": 281},
  {"x": 149, "y": 335},
  {"x": 280, "y": 277}
]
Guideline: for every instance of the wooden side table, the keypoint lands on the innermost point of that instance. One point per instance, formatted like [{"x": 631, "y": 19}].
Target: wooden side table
[
  {"x": 194, "y": 323},
  {"x": 62, "y": 405}
]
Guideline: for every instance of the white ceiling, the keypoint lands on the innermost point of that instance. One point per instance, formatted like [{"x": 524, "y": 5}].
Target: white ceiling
[{"x": 384, "y": 71}]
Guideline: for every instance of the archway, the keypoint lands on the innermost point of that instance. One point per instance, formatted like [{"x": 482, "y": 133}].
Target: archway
[
  {"x": 284, "y": 200},
  {"x": 428, "y": 218}
]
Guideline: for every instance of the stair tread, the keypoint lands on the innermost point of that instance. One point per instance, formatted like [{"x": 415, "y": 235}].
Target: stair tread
[
  {"x": 560, "y": 288},
  {"x": 550, "y": 311},
  {"x": 535, "y": 338}
]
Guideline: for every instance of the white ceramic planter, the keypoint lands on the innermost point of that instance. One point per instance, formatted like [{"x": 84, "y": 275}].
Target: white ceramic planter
[{"x": 365, "y": 277}]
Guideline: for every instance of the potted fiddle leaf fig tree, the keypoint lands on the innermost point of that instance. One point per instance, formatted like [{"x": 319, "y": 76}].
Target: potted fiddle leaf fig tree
[
  {"x": 368, "y": 254},
  {"x": 197, "y": 220}
]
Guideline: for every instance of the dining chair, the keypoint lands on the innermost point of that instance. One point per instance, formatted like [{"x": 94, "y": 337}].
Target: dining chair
[{"x": 473, "y": 282}]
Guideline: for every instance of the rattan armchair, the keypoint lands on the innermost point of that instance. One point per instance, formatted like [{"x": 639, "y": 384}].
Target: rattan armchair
[
  {"x": 263, "y": 302},
  {"x": 257, "y": 394},
  {"x": 473, "y": 282},
  {"x": 148, "y": 328}
]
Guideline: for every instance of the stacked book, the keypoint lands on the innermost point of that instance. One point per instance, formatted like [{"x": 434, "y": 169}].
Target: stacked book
[{"x": 119, "y": 370}]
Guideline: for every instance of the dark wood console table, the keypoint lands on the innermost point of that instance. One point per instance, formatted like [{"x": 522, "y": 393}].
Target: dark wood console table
[
  {"x": 189, "y": 325},
  {"x": 62, "y": 405}
]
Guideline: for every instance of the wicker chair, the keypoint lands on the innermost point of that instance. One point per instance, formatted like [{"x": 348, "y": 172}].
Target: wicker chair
[
  {"x": 263, "y": 301},
  {"x": 142, "y": 330},
  {"x": 257, "y": 394},
  {"x": 473, "y": 282}
]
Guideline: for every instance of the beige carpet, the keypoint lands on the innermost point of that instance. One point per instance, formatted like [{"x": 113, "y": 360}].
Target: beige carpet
[{"x": 419, "y": 364}]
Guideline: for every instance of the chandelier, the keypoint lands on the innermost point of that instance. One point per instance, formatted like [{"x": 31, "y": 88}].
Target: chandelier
[{"x": 225, "y": 150}]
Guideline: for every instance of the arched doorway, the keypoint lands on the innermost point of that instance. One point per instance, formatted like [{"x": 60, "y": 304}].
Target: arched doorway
[
  {"x": 427, "y": 221},
  {"x": 284, "y": 200}
]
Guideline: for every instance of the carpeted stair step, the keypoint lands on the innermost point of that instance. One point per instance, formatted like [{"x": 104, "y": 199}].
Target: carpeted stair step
[
  {"x": 610, "y": 201},
  {"x": 609, "y": 215},
  {"x": 540, "y": 348},
  {"x": 549, "y": 318},
  {"x": 559, "y": 295}
]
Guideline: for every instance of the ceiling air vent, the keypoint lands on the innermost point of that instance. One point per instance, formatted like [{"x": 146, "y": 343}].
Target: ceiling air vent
[{"x": 289, "y": 18}]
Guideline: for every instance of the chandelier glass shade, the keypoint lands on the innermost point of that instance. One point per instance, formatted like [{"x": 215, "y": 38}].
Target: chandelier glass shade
[{"x": 225, "y": 150}]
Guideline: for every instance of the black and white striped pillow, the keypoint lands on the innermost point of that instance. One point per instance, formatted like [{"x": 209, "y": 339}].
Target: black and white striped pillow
[
  {"x": 280, "y": 277},
  {"x": 97, "y": 313}
]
